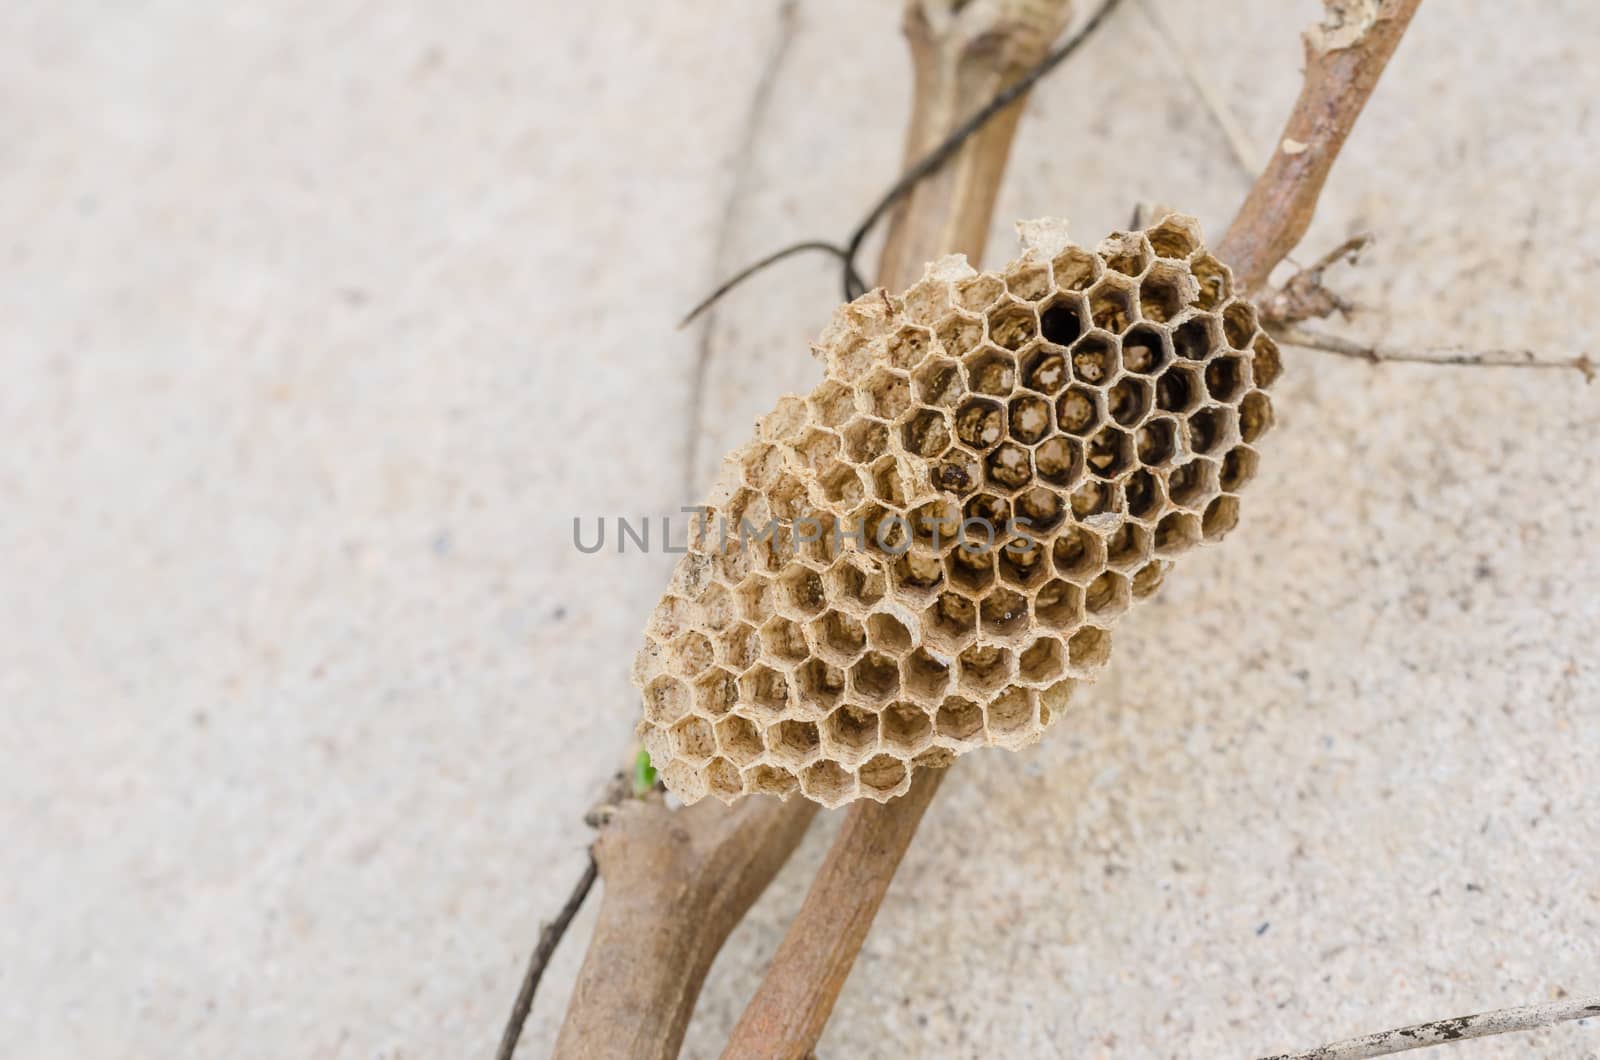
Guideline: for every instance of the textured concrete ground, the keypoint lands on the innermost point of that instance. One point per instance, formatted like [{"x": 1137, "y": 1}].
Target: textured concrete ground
[{"x": 323, "y": 320}]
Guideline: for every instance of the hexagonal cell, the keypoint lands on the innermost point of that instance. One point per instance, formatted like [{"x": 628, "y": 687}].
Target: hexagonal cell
[
  {"x": 1059, "y": 461},
  {"x": 1058, "y": 604},
  {"x": 883, "y": 775},
  {"x": 1213, "y": 278},
  {"x": 670, "y": 618},
  {"x": 831, "y": 403},
  {"x": 1029, "y": 419},
  {"x": 959, "y": 334},
  {"x": 1003, "y": 613},
  {"x": 800, "y": 593},
  {"x": 978, "y": 293},
  {"x": 1148, "y": 579},
  {"x": 723, "y": 779},
  {"x": 1238, "y": 468},
  {"x": 950, "y": 622},
  {"x": 1225, "y": 378},
  {"x": 1175, "y": 237},
  {"x": 763, "y": 692},
  {"x": 936, "y": 524},
  {"x": 793, "y": 744},
  {"x": 827, "y": 783},
  {"x": 665, "y": 701},
  {"x": 938, "y": 382},
  {"x": 1156, "y": 442},
  {"x": 849, "y": 733},
  {"x": 958, "y": 474},
  {"x": 1093, "y": 498},
  {"x": 1196, "y": 338},
  {"x": 770, "y": 780},
  {"x": 838, "y": 636},
  {"x": 1209, "y": 429},
  {"x": 1022, "y": 563},
  {"x": 1042, "y": 662},
  {"x": 1009, "y": 467},
  {"x": 865, "y": 440},
  {"x": 739, "y": 739},
  {"x": 980, "y": 423},
  {"x": 787, "y": 498},
  {"x": 785, "y": 421},
  {"x": 715, "y": 693},
  {"x": 906, "y": 728},
  {"x": 971, "y": 565},
  {"x": 926, "y": 433},
  {"x": 1107, "y": 596},
  {"x": 1177, "y": 390},
  {"x": 1075, "y": 269},
  {"x": 847, "y": 361},
  {"x": 842, "y": 485},
  {"x": 1078, "y": 411},
  {"x": 927, "y": 300},
  {"x": 1190, "y": 484},
  {"x": 1040, "y": 510},
  {"x": 1112, "y": 305},
  {"x": 888, "y": 634},
  {"x": 818, "y": 448},
  {"x": 689, "y": 654},
  {"x": 1268, "y": 362},
  {"x": 1129, "y": 401},
  {"x": 855, "y": 581},
  {"x": 924, "y": 675},
  {"x": 1126, "y": 252},
  {"x": 692, "y": 741},
  {"x": 987, "y": 515},
  {"x": 887, "y": 480},
  {"x": 1145, "y": 350},
  {"x": 960, "y": 721},
  {"x": 1011, "y": 718},
  {"x": 1165, "y": 292},
  {"x": 915, "y": 577},
  {"x": 1089, "y": 648},
  {"x": 761, "y": 466},
  {"x": 985, "y": 668},
  {"x": 991, "y": 371},
  {"x": 1222, "y": 515},
  {"x": 1044, "y": 369},
  {"x": 1177, "y": 533},
  {"x": 1012, "y": 327},
  {"x": 875, "y": 678},
  {"x": 1255, "y": 415},
  {"x": 1128, "y": 546},
  {"x": 884, "y": 394},
  {"x": 1143, "y": 493},
  {"x": 648, "y": 663},
  {"x": 1028, "y": 281},
  {"x": 783, "y": 639},
  {"x": 1239, "y": 325},
  {"x": 908, "y": 346},
  {"x": 1094, "y": 359},
  {"x": 1061, "y": 322},
  {"x": 1110, "y": 453},
  {"x": 684, "y": 778},
  {"x": 1077, "y": 553},
  {"x": 739, "y": 647}
]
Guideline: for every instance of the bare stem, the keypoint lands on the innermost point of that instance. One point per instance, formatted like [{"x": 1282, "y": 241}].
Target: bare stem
[
  {"x": 1339, "y": 346},
  {"x": 1422, "y": 1035}
]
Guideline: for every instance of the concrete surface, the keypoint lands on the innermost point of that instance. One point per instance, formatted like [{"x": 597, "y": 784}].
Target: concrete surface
[{"x": 323, "y": 320}]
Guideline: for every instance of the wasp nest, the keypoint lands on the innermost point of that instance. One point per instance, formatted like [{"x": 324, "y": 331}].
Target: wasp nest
[{"x": 928, "y": 552}]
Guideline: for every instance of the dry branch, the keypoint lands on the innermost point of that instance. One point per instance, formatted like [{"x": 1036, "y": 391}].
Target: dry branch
[
  {"x": 1422, "y": 1035},
  {"x": 1498, "y": 358},
  {"x": 1344, "y": 58}
]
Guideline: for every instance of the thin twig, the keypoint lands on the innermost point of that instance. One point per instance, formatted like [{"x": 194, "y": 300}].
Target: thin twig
[
  {"x": 1484, "y": 1024},
  {"x": 1304, "y": 296},
  {"x": 1344, "y": 58},
  {"x": 549, "y": 938},
  {"x": 1339, "y": 346}
]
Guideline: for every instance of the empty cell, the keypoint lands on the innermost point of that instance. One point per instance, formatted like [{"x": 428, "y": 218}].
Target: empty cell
[
  {"x": 827, "y": 783},
  {"x": 1174, "y": 238},
  {"x": 1213, "y": 280},
  {"x": 979, "y": 292},
  {"x": 1045, "y": 370},
  {"x": 884, "y": 394},
  {"x": 1075, "y": 269},
  {"x": 849, "y": 733},
  {"x": 842, "y": 485},
  {"x": 788, "y": 418},
  {"x": 817, "y": 449},
  {"x": 1177, "y": 533},
  {"x": 883, "y": 775},
  {"x": 1143, "y": 493},
  {"x": 1222, "y": 515},
  {"x": 1255, "y": 415},
  {"x": 1110, "y": 453},
  {"x": 1239, "y": 325},
  {"x": 1028, "y": 281},
  {"x": 1209, "y": 429},
  {"x": 1059, "y": 460},
  {"x": 1165, "y": 292},
  {"x": 887, "y": 479},
  {"x": 1148, "y": 579},
  {"x": 832, "y": 403},
  {"x": 1129, "y": 401},
  {"x": 821, "y": 686},
  {"x": 1022, "y": 563},
  {"x": 1092, "y": 498},
  {"x": 1061, "y": 322},
  {"x": 907, "y": 729},
  {"x": 770, "y": 780},
  {"x": 1177, "y": 390},
  {"x": 1156, "y": 442},
  {"x": 1196, "y": 338},
  {"x": 875, "y": 678},
  {"x": 715, "y": 693},
  {"x": 1107, "y": 596},
  {"x": 849, "y": 360},
  {"x": 1078, "y": 410},
  {"x": 689, "y": 654},
  {"x": 1111, "y": 306},
  {"x": 1267, "y": 364},
  {"x": 924, "y": 676},
  {"x": 723, "y": 780},
  {"x": 761, "y": 466},
  {"x": 1225, "y": 378},
  {"x": 971, "y": 566},
  {"x": 960, "y": 720},
  {"x": 865, "y": 440},
  {"x": 1042, "y": 662},
  {"x": 684, "y": 779},
  {"x": 984, "y": 668},
  {"x": 1058, "y": 604},
  {"x": 908, "y": 346},
  {"x": 665, "y": 701},
  {"x": 1003, "y": 612},
  {"x": 926, "y": 433},
  {"x": 1029, "y": 419},
  {"x": 1012, "y": 327},
  {"x": 980, "y": 423},
  {"x": 1009, "y": 467},
  {"x": 1128, "y": 546},
  {"x": 991, "y": 371},
  {"x": 1144, "y": 350},
  {"x": 692, "y": 741},
  {"x": 763, "y": 692},
  {"x": 1238, "y": 468},
  {"x": 1189, "y": 484},
  {"x": 739, "y": 739},
  {"x": 1089, "y": 648},
  {"x": 739, "y": 647},
  {"x": 800, "y": 592},
  {"x": 888, "y": 634},
  {"x": 793, "y": 744},
  {"x": 1011, "y": 715},
  {"x": 1126, "y": 252},
  {"x": 838, "y": 636},
  {"x": 855, "y": 581},
  {"x": 787, "y": 499},
  {"x": 1094, "y": 359},
  {"x": 671, "y": 617},
  {"x": 1040, "y": 510},
  {"x": 938, "y": 383},
  {"x": 959, "y": 334},
  {"x": 951, "y": 621}
]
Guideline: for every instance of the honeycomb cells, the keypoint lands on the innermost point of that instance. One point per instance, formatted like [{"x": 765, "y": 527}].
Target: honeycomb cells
[{"x": 927, "y": 553}]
